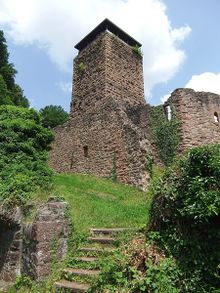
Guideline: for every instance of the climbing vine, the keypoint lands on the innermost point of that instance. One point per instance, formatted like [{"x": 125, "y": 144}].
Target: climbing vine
[
  {"x": 114, "y": 168},
  {"x": 149, "y": 164},
  {"x": 165, "y": 133}
]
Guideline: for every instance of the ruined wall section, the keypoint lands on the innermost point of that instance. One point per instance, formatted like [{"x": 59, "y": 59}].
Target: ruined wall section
[{"x": 196, "y": 112}]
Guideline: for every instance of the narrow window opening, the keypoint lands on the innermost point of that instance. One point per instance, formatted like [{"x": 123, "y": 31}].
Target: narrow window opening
[
  {"x": 168, "y": 113},
  {"x": 216, "y": 119},
  {"x": 85, "y": 150}
]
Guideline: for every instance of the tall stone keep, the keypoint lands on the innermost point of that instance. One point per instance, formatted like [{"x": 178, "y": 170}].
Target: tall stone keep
[
  {"x": 101, "y": 137},
  {"x": 106, "y": 67}
]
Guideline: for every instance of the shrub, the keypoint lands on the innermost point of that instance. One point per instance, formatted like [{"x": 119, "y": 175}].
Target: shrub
[
  {"x": 24, "y": 143},
  {"x": 185, "y": 215}
]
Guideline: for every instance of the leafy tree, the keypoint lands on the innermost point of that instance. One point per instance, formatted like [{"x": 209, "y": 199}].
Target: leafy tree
[
  {"x": 7, "y": 72},
  {"x": 3, "y": 50},
  {"x": 19, "y": 98},
  {"x": 53, "y": 115},
  {"x": 24, "y": 143},
  {"x": 4, "y": 94}
]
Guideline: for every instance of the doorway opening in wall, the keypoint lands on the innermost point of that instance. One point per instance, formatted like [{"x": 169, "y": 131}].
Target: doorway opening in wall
[
  {"x": 216, "y": 119},
  {"x": 86, "y": 151}
]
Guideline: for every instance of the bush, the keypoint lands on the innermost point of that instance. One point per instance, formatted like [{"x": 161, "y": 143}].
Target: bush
[
  {"x": 24, "y": 143},
  {"x": 186, "y": 213}
]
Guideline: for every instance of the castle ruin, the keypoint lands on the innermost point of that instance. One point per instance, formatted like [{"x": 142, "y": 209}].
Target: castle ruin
[{"x": 109, "y": 130}]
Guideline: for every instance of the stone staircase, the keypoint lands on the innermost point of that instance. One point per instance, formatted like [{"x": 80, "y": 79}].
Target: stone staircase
[{"x": 86, "y": 266}]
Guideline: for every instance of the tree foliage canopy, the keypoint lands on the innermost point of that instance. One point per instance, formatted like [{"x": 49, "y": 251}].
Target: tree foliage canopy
[
  {"x": 10, "y": 92},
  {"x": 53, "y": 115}
]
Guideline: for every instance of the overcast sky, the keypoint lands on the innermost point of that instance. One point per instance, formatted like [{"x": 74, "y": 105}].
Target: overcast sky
[{"x": 180, "y": 41}]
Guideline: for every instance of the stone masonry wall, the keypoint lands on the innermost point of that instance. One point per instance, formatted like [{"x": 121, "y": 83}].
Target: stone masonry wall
[
  {"x": 107, "y": 135},
  {"x": 196, "y": 113},
  {"x": 45, "y": 240},
  {"x": 89, "y": 85},
  {"x": 124, "y": 72}
]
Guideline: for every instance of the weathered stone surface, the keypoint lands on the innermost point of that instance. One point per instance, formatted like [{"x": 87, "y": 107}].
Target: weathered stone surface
[
  {"x": 46, "y": 239},
  {"x": 195, "y": 111}
]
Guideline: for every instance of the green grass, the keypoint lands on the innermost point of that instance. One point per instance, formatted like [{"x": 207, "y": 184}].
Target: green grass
[{"x": 96, "y": 202}]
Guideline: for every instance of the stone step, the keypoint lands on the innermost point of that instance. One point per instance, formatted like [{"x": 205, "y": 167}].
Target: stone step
[
  {"x": 108, "y": 231},
  {"x": 102, "y": 240},
  {"x": 81, "y": 272},
  {"x": 74, "y": 287},
  {"x": 86, "y": 259},
  {"x": 96, "y": 250}
]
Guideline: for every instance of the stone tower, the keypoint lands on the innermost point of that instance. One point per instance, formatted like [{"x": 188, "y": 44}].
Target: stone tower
[
  {"x": 106, "y": 67},
  {"x": 103, "y": 136}
]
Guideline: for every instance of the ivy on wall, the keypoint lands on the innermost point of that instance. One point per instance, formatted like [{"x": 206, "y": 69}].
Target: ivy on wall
[
  {"x": 165, "y": 133},
  {"x": 114, "y": 168}
]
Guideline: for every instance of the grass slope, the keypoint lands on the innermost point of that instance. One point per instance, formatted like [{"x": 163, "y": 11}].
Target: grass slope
[
  {"x": 99, "y": 202},
  {"x": 94, "y": 202}
]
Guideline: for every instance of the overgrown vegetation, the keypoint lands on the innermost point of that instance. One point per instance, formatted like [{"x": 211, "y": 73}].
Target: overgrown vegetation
[
  {"x": 181, "y": 251},
  {"x": 185, "y": 218},
  {"x": 137, "y": 267},
  {"x": 165, "y": 133},
  {"x": 24, "y": 143}
]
